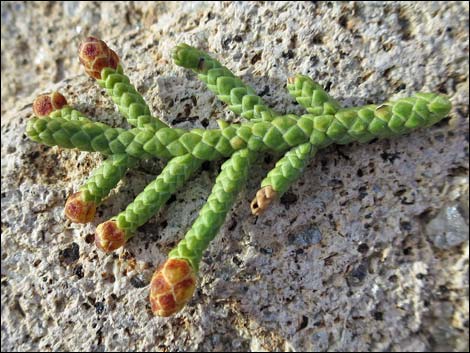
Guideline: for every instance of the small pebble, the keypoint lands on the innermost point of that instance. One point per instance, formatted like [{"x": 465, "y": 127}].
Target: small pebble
[{"x": 448, "y": 228}]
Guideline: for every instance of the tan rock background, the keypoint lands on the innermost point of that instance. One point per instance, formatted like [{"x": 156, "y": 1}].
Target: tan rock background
[{"x": 367, "y": 251}]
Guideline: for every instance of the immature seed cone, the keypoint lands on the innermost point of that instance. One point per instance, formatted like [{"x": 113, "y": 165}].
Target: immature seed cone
[
  {"x": 95, "y": 55},
  {"x": 108, "y": 236},
  {"x": 78, "y": 210},
  {"x": 45, "y": 104},
  {"x": 172, "y": 286},
  {"x": 264, "y": 197}
]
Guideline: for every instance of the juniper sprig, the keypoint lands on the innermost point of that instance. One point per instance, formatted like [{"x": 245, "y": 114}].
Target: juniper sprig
[{"x": 299, "y": 138}]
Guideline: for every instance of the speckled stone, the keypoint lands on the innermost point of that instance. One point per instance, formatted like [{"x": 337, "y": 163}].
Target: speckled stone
[
  {"x": 448, "y": 228},
  {"x": 375, "y": 280}
]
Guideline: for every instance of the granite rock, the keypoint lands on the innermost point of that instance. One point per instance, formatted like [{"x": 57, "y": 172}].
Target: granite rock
[{"x": 346, "y": 263}]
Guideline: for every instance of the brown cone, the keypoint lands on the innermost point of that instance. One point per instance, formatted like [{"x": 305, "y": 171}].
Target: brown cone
[
  {"x": 264, "y": 197},
  {"x": 78, "y": 210},
  {"x": 45, "y": 104},
  {"x": 95, "y": 55},
  {"x": 108, "y": 236},
  {"x": 172, "y": 286}
]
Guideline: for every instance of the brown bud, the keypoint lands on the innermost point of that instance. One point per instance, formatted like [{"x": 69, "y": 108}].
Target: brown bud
[
  {"x": 264, "y": 197},
  {"x": 45, "y": 104},
  {"x": 79, "y": 210},
  {"x": 172, "y": 286},
  {"x": 109, "y": 237},
  {"x": 95, "y": 55}
]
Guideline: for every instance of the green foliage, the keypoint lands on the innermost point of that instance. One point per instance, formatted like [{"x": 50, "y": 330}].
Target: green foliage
[{"x": 266, "y": 131}]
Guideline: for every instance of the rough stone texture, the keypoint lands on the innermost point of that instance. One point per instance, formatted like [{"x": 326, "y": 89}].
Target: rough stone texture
[{"x": 346, "y": 260}]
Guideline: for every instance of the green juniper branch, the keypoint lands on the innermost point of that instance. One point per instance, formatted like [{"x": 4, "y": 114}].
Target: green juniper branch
[
  {"x": 240, "y": 98},
  {"x": 212, "y": 216},
  {"x": 317, "y": 102},
  {"x": 102, "y": 64},
  {"x": 299, "y": 137},
  {"x": 279, "y": 135},
  {"x": 312, "y": 96},
  {"x": 148, "y": 202}
]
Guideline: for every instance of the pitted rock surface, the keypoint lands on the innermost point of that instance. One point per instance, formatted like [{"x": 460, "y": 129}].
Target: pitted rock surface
[{"x": 368, "y": 250}]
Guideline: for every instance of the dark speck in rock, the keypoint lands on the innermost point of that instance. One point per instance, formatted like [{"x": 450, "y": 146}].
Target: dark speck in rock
[
  {"x": 303, "y": 323},
  {"x": 206, "y": 166},
  {"x": 328, "y": 86},
  {"x": 266, "y": 251},
  {"x": 390, "y": 156},
  {"x": 255, "y": 58},
  {"x": 358, "y": 275},
  {"x": 265, "y": 91},
  {"x": 78, "y": 271},
  {"x": 137, "y": 282},
  {"x": 69, "y": 255},
  {"x": 362, "y": 192},
  {"x": 288, "y": 199},
  {"x": 420, "y": 276},
  {"x": 171, "y": 199},
  {"x": 314, "y": 60},
  {"x": 225, "y": 43},
  {"x": 407, "y": 251},
  {"x": 236, "y": 261},
  {"x": 35, "y": 155},
  {"x": 232, "y": 224},
  {"x": 378, "y": 315},
  {"x": 90, "y": 238},
  {"x": 317, "y": 39},
  {"x": 335, "y": 183},
  {"x": 405, "y": 226},
  {"x": 306, "y": 238},
  {"x": 289, "y": 54},
  {"x": 99, "y": 307},
  {"x": 363, "y": 248}
]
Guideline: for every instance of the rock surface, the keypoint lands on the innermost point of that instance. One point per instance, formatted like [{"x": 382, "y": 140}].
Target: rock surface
[{"x": 352, "y": 258}]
